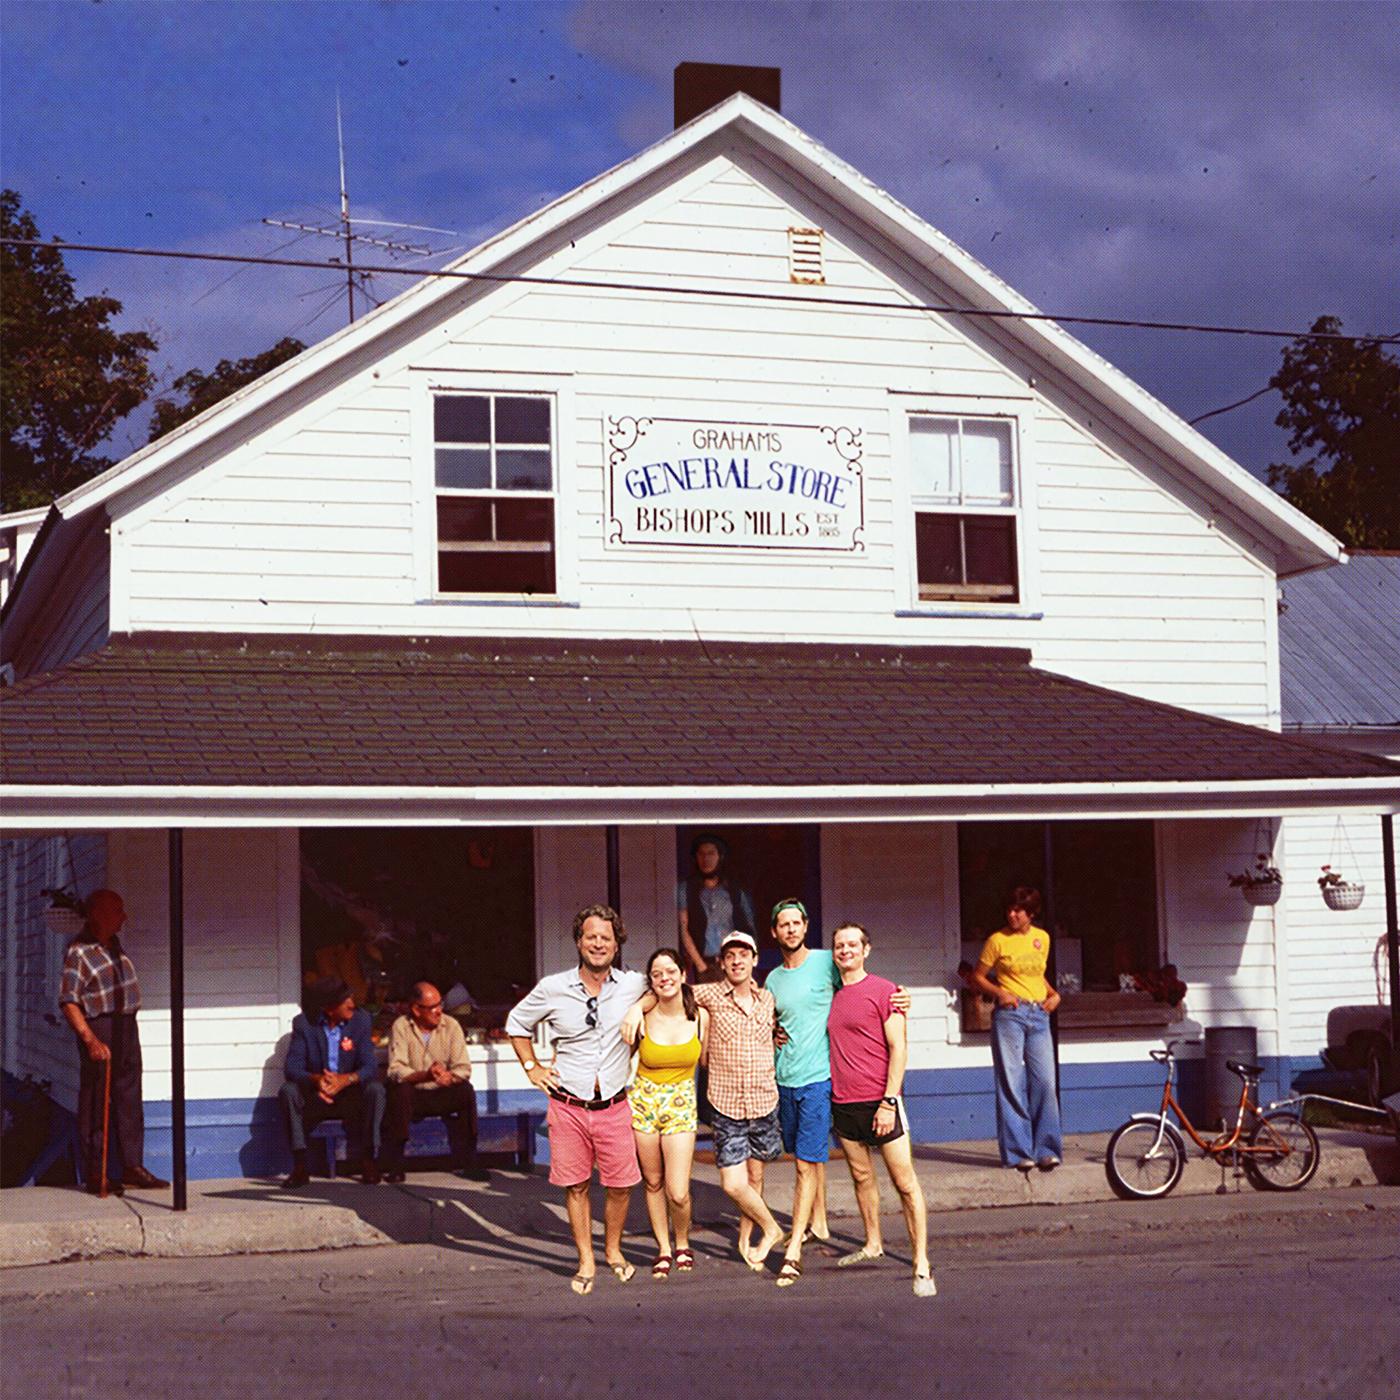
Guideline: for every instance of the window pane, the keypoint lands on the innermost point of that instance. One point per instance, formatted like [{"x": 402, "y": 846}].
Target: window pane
[
  {"x": 461, "y": 418},
  {"x": 463, "y": 468},
  {"x": 463, "y": 518},
  {"x": 932, "y": 443},
  {"x": 986, "y": 463},
  {"x": 522, "y": 420},
  {"x": 517, "y": 470},
  {"x": 990, "y": 541},
  {"x": 938, "y": 549},
  {"x": 525, "y": 520},
  {"x": 487, "y": 571}
]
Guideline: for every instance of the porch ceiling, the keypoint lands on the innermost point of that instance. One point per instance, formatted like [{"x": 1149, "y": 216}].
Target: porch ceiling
[{"x": 286, "y": 730}]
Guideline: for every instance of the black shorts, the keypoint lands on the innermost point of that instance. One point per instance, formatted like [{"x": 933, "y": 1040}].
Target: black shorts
[{"x": 856, "y": 1122}]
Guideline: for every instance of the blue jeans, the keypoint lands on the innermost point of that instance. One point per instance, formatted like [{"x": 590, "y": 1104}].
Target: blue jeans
[{"x": 1028, "y": 1114}]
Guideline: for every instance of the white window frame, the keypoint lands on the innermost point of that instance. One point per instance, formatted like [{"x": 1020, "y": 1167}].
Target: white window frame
[
  {"x": 558, "y": 389},
  {"x": 1017, "y": 411}
]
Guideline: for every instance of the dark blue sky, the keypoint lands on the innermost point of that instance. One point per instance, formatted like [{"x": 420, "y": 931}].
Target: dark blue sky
[{"x": 1225, "y": 163}]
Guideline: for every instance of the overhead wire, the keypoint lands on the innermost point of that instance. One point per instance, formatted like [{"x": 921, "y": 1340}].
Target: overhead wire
[{"x": 728, "y": 294}]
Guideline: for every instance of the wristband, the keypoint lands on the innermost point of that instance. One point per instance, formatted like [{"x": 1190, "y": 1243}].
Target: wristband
[{"x": 888, "y": 1102}]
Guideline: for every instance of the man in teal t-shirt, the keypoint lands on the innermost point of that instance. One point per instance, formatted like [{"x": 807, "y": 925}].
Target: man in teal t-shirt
[{"x": 802, "y": 988}]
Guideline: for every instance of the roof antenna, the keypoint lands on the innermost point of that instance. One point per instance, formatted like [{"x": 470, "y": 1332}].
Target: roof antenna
[{"x": 345, "y": 212}]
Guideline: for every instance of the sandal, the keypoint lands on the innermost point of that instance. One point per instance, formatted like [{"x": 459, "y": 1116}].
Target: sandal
[
  {"x": 685, "y": 1260},
  {"x": 863, "y": 1255},
  {"x": 582, "y": 1284},
  {"x": 661, "y": 1267},
  {"x": 622, "y": 1270},
  {"x": 924, "y": 1286},
  {"x": 789, "y": 1273}
]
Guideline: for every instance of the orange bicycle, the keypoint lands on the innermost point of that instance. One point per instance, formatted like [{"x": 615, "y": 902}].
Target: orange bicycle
[{"x": 1147, "y": 1155}]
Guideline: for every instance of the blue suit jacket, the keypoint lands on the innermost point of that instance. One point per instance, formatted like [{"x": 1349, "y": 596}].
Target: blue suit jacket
[{"x": 306, "y": 1055}]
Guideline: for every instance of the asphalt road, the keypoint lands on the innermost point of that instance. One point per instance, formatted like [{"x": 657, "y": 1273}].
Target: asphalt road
[{"x": 1296, "y": 1296}]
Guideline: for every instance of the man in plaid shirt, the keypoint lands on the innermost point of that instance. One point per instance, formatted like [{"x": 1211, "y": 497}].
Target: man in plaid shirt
[{"x": 99, "y": 996}]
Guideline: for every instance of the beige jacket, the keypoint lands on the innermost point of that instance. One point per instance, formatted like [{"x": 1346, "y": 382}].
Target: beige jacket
[{"x": 408, "y": 1055}]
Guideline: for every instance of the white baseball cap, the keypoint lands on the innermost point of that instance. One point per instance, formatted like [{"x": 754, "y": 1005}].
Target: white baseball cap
[{"x": 746, "y": 940}]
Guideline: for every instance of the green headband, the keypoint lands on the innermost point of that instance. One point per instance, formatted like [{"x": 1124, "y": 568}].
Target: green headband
[{"x": 787, "y": 904}]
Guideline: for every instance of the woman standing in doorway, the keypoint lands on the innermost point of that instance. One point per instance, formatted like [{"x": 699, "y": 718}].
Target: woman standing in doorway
[
  {"x": 663, "y": 1106},
  {"x": 1023, "y": 1052},
  {"x": 709, "y": 907}
]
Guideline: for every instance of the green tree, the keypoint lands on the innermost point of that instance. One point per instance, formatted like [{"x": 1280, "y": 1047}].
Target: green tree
[
  {"x": 198, "y": 391},
  {"x": 1341, "y": 405},
  {"x": 67, "y": 376}
]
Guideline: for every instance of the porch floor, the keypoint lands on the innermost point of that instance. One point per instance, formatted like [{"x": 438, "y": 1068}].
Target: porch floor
[{"x": 521, "y": 1216}]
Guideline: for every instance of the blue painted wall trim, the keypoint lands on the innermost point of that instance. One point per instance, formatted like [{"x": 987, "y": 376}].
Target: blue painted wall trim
[{"x": 245, "y": 1137}]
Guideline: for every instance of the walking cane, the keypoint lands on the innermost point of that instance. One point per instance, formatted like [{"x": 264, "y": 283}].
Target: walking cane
[{"x": 106, "y": 1118}]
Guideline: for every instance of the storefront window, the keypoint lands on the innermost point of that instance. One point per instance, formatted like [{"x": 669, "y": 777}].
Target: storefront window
[
  {"x": 1099, "y": 880},
  {"x": 383, "y": 908}
]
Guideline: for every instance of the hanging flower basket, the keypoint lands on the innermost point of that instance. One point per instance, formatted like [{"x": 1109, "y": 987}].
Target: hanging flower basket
[
  {"x": 64, "y": 915},
  {"x": 1338, "y": 892},
  {"x": 1262, "y": 885}
]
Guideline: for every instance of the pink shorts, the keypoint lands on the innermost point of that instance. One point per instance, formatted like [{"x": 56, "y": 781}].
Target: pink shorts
[{"x": 580, "y": 1138}]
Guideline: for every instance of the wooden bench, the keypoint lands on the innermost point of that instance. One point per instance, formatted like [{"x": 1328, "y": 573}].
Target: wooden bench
[{"x": 428, "y": 1137}]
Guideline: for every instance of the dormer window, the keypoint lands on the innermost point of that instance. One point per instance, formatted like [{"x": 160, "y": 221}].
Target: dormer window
[
  {"x": 493, "y": 463},
  {"x": 963, "y": 488}
]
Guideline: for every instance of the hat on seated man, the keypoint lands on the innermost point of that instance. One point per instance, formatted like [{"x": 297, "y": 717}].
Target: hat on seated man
[{"x": 332, "y": 1073}]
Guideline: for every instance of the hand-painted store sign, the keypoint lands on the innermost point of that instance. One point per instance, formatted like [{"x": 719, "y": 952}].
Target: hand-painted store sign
[{"x": 680, "y": 481}]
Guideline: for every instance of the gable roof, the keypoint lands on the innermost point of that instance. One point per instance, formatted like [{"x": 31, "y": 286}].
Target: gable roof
[
  {"x": 1302, "y": 542},
  {"x": 1339, "y": 645}
]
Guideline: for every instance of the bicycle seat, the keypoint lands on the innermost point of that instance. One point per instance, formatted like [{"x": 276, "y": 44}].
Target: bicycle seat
[{"x": 1243, "y": 1070}]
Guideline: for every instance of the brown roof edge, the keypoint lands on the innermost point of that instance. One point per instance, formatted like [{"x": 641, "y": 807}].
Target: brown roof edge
[{"x": 603, "y": 649}]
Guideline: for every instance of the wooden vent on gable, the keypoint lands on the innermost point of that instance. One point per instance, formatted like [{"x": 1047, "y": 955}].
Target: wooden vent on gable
[{"x": 805, "y": 260}]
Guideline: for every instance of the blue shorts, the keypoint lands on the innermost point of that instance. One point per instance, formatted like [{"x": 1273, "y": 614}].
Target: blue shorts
[
  {"x": 805, "y": 1116},
  {"x": 738, "y": 1139}
]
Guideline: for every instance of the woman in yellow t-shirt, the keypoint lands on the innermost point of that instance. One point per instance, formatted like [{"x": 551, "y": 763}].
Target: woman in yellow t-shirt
[
  {"x": 1023, "y": 1053},
  {"x": 662, "y": 1095}
]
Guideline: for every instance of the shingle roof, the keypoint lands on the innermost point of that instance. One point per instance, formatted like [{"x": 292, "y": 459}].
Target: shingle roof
[
  {"x": 347, "y": 711},
  {"x": 1339, "y": 644}
]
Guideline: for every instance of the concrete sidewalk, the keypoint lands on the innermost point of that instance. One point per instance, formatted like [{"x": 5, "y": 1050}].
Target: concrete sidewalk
[{"x": 514, "y": 1216}]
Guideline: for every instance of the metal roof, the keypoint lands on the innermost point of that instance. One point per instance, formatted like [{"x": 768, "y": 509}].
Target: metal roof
[{"x": 1339, "y": 644}]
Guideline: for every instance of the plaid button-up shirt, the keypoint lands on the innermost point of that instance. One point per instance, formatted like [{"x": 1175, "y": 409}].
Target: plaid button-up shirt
[
  {"x": 739, "y": 1050},
  {"x": 98, "y": 982}
]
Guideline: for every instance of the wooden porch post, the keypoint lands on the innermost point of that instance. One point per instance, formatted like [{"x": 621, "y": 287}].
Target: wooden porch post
[
  {"x": 1392, "y": 940},
  {"x": 176, "y": 877},
  {"x": 614, "y": 869}
]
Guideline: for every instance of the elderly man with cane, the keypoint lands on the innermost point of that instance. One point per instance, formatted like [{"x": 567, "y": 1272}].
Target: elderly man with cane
[{"x": 99, "y": 996}]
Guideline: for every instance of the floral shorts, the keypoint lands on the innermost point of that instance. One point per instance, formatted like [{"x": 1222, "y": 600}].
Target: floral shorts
[{"x": 663, "y": 1108}]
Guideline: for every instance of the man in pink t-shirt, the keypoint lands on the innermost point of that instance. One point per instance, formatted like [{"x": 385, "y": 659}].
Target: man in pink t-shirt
[{"x": 869, "y": 1050}]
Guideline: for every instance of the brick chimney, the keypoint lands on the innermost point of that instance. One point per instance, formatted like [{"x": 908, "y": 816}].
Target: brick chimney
[{"x": 700, "y": 86}]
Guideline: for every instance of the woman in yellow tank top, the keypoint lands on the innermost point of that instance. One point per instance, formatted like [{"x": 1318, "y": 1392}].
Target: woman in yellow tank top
[{"x": 663, "y": 1106}]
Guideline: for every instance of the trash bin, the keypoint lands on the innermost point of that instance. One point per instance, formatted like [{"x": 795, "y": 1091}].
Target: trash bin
[{"x": 1222, "y": 1085}]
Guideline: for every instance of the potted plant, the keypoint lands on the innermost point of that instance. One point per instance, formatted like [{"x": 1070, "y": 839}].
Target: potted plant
[
  {"x": 64, "y": 914},
  {"x": 1262, "y": 885},
  {"x": 1338, "y": 892}
]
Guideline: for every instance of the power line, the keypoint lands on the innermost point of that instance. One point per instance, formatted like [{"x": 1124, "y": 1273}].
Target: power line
[
  {"x": 586, "y": 284},
  {"x": 1239, "y": 403}
]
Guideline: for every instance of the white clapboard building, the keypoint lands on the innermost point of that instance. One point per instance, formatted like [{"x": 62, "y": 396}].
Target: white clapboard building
[{"x": 697, "y": 501}]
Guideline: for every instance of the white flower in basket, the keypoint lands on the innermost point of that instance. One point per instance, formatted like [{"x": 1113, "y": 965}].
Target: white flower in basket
[
  {"x": 1262, "y": 885},
  {"x": 1338, "y": 892}
]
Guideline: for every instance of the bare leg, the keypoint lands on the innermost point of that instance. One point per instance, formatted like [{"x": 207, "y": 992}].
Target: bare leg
[
  {"x": 678, "y": 1152},
  {"x": 899, "y": 1159},
  {"x": 614, "y": 1218},
  {"x": 739, "y": 1186},
  {"x": 803, "y": 1197},
  {"x": 820, "y": 1227},
  {"x": 867, "y": 1192},
  {"x": 649, "y": 1152},
  {"x": 581, "y": 1225}
]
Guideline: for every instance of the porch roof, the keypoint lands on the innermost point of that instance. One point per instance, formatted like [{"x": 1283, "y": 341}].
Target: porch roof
[{"x": 162, "y": 728}]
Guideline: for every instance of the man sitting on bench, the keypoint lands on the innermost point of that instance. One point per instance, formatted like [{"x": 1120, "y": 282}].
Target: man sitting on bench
[{"x": 430, "y": 1077}]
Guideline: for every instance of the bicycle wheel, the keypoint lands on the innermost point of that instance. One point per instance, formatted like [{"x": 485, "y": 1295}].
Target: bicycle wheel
[
  {"x": 1286, "y": 1154},
  {"x": 1139, "y": 1167}
]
